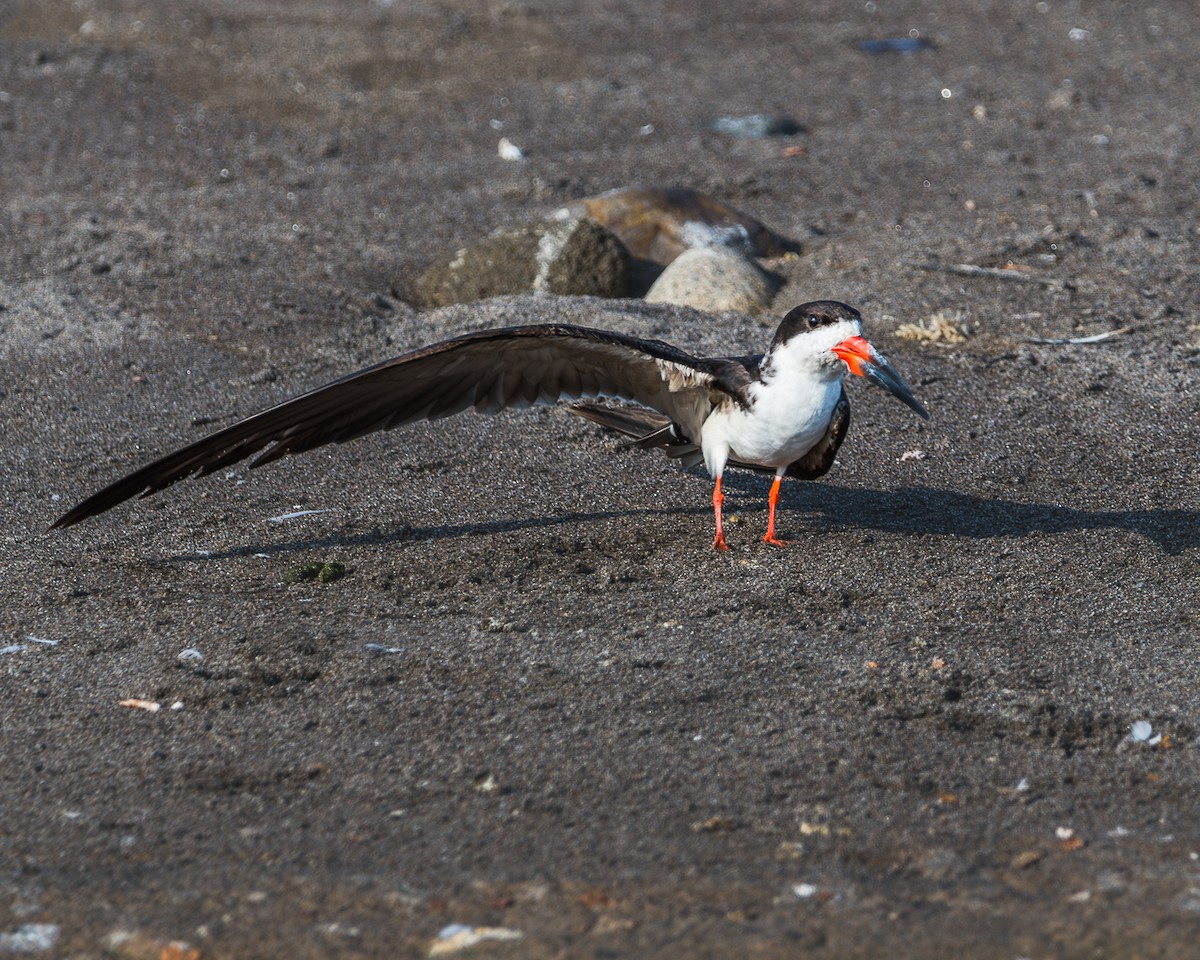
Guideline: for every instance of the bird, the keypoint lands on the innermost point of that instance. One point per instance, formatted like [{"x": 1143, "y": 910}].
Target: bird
[{"x": 783, "y": 412}]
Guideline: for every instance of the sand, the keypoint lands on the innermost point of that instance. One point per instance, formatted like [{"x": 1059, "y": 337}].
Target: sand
[{"x": 536, "y": 700}]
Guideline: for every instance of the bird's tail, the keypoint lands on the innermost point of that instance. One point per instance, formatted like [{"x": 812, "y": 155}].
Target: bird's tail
[{"x": 648, "y": 428}]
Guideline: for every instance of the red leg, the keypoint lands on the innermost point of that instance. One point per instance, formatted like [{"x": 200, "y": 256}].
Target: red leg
[
  {"x": 772, "y": 503},
  {"x": 718, "y": 499}
]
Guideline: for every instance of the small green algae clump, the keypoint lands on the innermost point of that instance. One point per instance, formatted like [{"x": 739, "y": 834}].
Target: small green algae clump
[{"x": 320, "y": 570}]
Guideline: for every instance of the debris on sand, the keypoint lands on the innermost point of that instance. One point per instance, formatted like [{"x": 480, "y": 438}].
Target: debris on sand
[
  {"x": 29, "y": 938},
  {"x": 320, "y": 570},
  {"x": 134, "y": 703},
  {"x": 905, "y": 45},
  {"x": 131, "y": 945},
  {"x": 507, "y": 150},
  {"x": 1076, "y": 341},
  {"x": 1141, "y": 731},
  {"x": 1014, "y": 273},
  {"x": 458, "y": 937},
  {"x": 300, "y": 513},
  {"x": 487, "y": 784},
  {"x": 755, "y": 126},
  {"x": 945, "y": 326},
  {"x": 27, "y": 639},
  {"x": 715, "y": 824},
  {"x": 1071, "y": 843}
]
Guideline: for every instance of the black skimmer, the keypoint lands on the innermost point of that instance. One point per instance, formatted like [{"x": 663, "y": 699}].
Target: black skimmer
[{"x": 784, "y": 412}]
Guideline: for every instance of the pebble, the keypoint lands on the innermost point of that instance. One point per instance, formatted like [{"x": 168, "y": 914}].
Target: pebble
[{"x": 715, "y": 280}]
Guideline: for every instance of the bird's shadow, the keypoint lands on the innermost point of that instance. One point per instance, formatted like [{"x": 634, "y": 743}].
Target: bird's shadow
[
  {"x": 910, "y": 510},
  {"x": 934, "y": 511}
]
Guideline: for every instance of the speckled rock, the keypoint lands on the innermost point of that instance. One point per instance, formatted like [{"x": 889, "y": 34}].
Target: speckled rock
[
  {"x": 574, "y": 255},
  {"x": 714, "y": 279}
]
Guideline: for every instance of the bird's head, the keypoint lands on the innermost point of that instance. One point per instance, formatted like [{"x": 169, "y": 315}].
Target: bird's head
[{"x": 832, "y": 332}]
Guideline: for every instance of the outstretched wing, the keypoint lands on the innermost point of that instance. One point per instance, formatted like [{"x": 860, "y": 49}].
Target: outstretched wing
[{"x": 489, "y": 370}]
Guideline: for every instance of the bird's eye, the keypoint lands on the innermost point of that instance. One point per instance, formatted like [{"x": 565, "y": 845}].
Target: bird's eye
[{"x": 813, "y": 322}]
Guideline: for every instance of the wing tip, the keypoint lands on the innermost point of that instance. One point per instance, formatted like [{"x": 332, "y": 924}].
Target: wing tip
[{"x": 70, "y": 518}]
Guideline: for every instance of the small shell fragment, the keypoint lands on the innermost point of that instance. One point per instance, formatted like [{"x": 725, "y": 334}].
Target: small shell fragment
[
  {"x": 151, "y": 706},
  {"x": 293, "y": 515},
  {"x": 1141, "y": 731},
  {"x": 458, "y": 936},
  {"x": 509, "y": 150}
]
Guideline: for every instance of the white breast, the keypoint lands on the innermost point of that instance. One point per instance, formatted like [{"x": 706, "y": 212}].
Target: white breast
[
  {"x": 784, "y": 423},
  {"x": 790, "y": 407}
]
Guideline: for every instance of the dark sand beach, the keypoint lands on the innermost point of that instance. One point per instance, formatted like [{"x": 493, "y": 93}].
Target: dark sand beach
[{"x": 537, "y": 701}]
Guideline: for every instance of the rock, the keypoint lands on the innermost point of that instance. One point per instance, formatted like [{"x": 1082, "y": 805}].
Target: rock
[
  {"x": 715, "y": 280},
  {"x": 658, "y": 223},
  {"x": 569, "y": 255}
]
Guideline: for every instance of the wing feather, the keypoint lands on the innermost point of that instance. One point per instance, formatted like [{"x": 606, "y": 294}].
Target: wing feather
[{"x": 488, "y": 370}]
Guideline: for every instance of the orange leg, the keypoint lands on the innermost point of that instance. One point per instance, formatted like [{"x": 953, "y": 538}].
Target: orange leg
[
  {"x": 772, "y": 503},
  {"x": 718, "y": 499}
]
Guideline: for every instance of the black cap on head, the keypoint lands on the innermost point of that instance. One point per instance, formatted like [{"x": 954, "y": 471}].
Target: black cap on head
[{"x": 813, "y": 316}]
